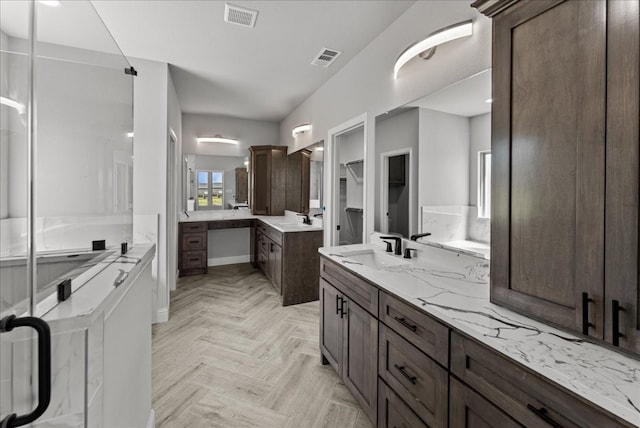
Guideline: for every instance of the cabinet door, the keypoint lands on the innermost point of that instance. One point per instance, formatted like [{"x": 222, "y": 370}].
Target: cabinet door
[
  {"x": 242, "y": 185},
  {"x": 468, "y": 409},
  {"x": 331, "y": 343},
  {"x": 393, "y": 412},
  {"x": 260, "y": 181},
  {"x": 360, "y": 344},
  {"x": 548, "y": 143},
  {"x": 623, "y": 192},
  {"x": 275, "y": 265}
]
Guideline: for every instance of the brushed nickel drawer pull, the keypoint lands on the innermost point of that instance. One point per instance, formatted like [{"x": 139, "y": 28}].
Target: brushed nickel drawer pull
[
  {"x": 401, "y": 369},
  {"x": 543, "y": 414},
  {"x": 406, "y": 324}
]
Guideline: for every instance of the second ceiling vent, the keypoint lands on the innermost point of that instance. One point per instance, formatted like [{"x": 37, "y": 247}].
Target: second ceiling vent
[
  {"x": 325, "y": 57},
  {"x": 240, "y": 16}
]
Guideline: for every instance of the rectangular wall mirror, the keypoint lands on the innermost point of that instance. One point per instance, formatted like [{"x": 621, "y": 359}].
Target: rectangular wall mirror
[
  {"x": 433, "y": 164},
  {"x": 215, "y": 182}
]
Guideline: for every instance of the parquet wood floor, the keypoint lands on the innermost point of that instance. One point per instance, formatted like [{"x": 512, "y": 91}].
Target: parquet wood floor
[{"x": 230, "y": 356}]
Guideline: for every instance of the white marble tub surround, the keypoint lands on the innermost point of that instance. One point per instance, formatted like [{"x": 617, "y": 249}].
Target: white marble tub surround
[{"x": 454, "y": 288}]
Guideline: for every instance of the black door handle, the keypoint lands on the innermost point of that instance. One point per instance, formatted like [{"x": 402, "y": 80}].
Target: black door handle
[
  {"x": 406, "y": 324},
  {"x": 615, "y": 322},
  {"x": 543, "y": 414},
  {"x": 338, "y": 298},
  {"x": 404, "y": 373},
  {"x": 44, "y": 367}
]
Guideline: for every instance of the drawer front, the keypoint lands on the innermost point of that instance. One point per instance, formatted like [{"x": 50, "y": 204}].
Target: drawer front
[
  {"x": 193, "y": 241},
  {"x": 420, "y": 329},
  {"x": 470, "y": 410},
  {"x": 194, "y": 259},
  {"x": 357, "y": 289},
  {"x": 193, "y": 227},
  {"x": 274, "y": 235},
  {"x": 416, "y": 378},
  {"x": 263, "y": 244},
  {"x": 393, "y": 412},
  {"x": 526, "y": 397}
]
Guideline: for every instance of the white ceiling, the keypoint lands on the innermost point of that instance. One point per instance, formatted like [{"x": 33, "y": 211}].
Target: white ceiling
[
  {"x": 258, "y": 73},
  {"x": 467, "y": 97}
]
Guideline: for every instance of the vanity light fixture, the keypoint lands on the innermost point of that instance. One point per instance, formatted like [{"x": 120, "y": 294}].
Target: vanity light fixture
[
  {"x": 300, "y": 129},
  {"x": 129, "y": 134},
  {"x": 217, "y": 139},
  {"x": 13, "y": 104},
  {"x": 52, "y": 3},
  {"x": 319, "y": 149},
  {"x": 488, "y": 100},
  {"x": 426, "y": 48}
]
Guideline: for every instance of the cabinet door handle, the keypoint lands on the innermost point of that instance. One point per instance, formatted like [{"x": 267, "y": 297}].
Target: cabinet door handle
[
  {"x": 406, "y": 324},
  {"x": 338, "y": 298},
  {"x": 543, "y": 414},
  {"x": 401, "y": 369},
  {"x": 615, "y": 322},
  {"x": 342, "y": 311},
  {"x": 585, "y": 313},
  {"x": 194, "y": 259},
  {"x": 272, "y": 250}
]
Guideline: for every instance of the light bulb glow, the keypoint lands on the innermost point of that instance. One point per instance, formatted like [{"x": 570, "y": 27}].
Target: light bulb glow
[
  {"x": 300, "y": 129},
  {"x": 13, "y": 104},
  {"x": 216, "y": 139}
]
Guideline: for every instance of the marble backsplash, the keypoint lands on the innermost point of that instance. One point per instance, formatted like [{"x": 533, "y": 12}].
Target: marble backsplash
[{"x": 455, "y": 223}]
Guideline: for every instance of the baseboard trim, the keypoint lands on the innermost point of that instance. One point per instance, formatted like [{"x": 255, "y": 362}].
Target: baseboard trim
[
  {"x": 161, "y": 315},
  {"x": 151, "y": 423},
  {"x": 221, "y": 261}
]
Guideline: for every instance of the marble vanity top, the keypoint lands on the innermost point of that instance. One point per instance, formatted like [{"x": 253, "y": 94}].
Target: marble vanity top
[
  {"x": 454, "y": 288},
  {"x": 289, "y": 222}
]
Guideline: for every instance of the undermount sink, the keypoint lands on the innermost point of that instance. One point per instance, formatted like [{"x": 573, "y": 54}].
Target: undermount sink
[{"x": 374, "y": 259}]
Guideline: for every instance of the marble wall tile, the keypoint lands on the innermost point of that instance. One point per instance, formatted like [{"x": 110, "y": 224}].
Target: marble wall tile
[
  {"x": 445, "y": 223},
  {"x": 95, "y": 356},
  {"x": 478, "y": 229}
]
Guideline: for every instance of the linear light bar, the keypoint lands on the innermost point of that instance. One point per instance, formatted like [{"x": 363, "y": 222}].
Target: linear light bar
[
  {"x": 443, "y": 35},
  {"x": 216, "y": 139},
  {"x": 52, "y": 3},
  {"x": 13, "y": 104},
  {"x": 300, "y": 129}
]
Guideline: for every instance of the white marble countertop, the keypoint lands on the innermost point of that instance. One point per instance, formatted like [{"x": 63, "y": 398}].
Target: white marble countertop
[
  {"x": 454, "y": 288},
  {"x": 290, "y": 222},
  {"x": 101, "y": 291}
]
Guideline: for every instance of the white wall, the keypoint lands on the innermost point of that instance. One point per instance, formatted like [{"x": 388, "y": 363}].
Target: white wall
[
  {"x": 150, "y": 163},
  {"x": 399, "y": 131},
  {"x": 4, "y": 127},
  {"x": 480, "y": 139},
  {"x": 247, "y": 132},
  {"x": 443, "y": 159},
  {"x": 366, "y": 84}
]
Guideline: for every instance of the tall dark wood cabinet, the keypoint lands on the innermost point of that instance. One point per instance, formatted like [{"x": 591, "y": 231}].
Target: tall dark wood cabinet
[
  {"x": 566, "y": 163},
  {"x": 242, "y": 185},
  {"x": 298, "y": 181},
  {"x": 268, "y": 179}
]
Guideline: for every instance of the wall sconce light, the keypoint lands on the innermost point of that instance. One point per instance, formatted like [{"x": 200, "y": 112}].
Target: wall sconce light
[
  {"x": 217, "y": 139},
  {"x": 52, "y": 3},
  {"x": 130, "y": 134},
  {"x": 300, "y": 129},
  {"x": 427, "y": 47},
  {"x": 13, "y": 104}
]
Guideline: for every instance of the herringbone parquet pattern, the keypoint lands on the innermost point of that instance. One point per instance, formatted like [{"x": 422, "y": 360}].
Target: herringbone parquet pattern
[{"x": 231, "y": 356}]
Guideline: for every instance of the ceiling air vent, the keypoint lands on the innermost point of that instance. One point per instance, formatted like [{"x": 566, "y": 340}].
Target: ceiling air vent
[
  {"x": 326, "y": 57},
  {"x": 239, "y": 15}
]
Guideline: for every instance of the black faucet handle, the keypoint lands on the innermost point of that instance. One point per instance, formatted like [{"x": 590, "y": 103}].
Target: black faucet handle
[
  {"x": 389, "y": 248},
  {"x": 419, "y": 235},
  {"x": 407, "y": 252}
]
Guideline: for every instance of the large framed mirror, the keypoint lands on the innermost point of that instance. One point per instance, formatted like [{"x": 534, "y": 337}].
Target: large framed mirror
[
  {"x": 215, "y": 182},
  {"x": 433, "y": 163}
]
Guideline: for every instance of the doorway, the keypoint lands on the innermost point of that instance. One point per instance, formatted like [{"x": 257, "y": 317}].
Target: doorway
[
  {"x": 397, "y": 199},
  {"x": 345, "y": 183}
]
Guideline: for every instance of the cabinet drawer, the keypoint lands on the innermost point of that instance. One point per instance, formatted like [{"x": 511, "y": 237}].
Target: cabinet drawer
[
  {"x": 420, "y": 329},
  {"x": 275, "y": 235},
  {"x": 358, "y": 290},
  {"x": 263, "y": 244},
  {"x": 193, "y": 227},
  {"x": 194, "y": 259},
  {"x": 416, "y": 378},
  {"x": 193, "y": 241},
  {"x": 393, "y": 412},
  {"x": 519, "y": 392},
  {"x": 470, "y": 410}
]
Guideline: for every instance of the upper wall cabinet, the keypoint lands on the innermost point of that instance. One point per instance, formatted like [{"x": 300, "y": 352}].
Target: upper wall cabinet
[
  {"x": 566, "y": 156},
  {"x": 298, "y": 164},
  {"x": 268, "y": 179}
]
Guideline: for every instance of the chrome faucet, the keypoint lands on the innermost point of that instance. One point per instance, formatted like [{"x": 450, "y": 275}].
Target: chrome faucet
[{"x": 398, "y": 246}]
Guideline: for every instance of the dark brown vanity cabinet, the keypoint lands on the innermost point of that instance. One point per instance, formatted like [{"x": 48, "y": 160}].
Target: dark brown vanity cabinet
[
  {"x": 565, "y": 157},
  {"x": 268, "y": 179},
  {"x": 298, "y": 181},
  {"x": 349, "y": 336},
  {"x": 192, "y": 250}
]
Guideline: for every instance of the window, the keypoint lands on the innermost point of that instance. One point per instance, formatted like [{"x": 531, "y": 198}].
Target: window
[
  {"x": 484, "y": 184},
  {"x": 211, "y": 189}
]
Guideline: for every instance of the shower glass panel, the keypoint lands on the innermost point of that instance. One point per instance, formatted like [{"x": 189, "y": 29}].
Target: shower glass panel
[{"x": 67, "y": 167}]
